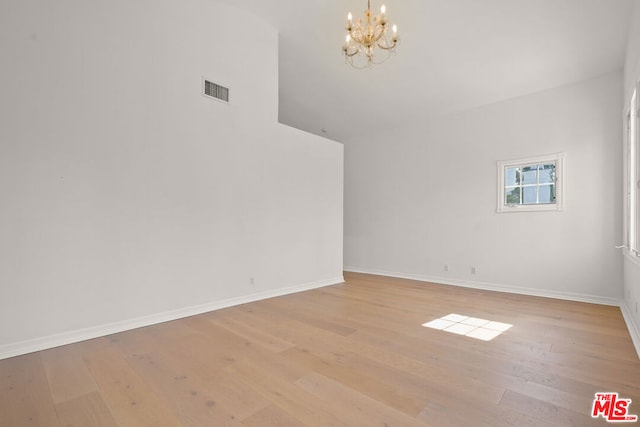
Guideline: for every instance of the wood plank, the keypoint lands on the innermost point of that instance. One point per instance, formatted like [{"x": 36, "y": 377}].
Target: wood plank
[
  {"x": 249, "y": 333},
  {"x": 196, "y": 396},
  {"x": 290, "y": 398},
  {"x": 457, "y": 413},
  {"x": 89, "y": 410},
  {"x": 272, "y": 416},
  {"x": 185, "y": 395},
  {"x": 67, "y": 374},
  {"x": 25, "y": 399},
  {"x": 547, "y": 412},
  {"x": 131, "y": 400},
  {"x": 352, "y": 406},
  {"x": 404, "y": 393}
]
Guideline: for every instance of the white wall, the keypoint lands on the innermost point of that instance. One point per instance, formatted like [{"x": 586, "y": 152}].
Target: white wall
[
  {"x": 423, "y": 196},
  {"x": 632, "y": 266},
  {"x": 127, "y": 197}
]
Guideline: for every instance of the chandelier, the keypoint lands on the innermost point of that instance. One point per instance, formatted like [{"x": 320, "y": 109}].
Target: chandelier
[{"x": 367, "y": 42}]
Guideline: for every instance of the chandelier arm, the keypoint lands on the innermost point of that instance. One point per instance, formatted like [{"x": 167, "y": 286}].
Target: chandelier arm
[
  {"x": 385, "y": 47},
  {"x": 351, "y": 54}
]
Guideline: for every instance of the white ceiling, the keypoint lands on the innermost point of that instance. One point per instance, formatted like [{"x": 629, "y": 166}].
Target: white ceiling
[{"x": 454, "y": 55}]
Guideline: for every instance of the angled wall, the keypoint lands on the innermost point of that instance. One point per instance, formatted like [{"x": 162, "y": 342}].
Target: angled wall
[{"x": 130, "y": 198}]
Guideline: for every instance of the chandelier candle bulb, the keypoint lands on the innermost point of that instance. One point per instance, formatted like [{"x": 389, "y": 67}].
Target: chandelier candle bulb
[{"x": 383, "y": 16}]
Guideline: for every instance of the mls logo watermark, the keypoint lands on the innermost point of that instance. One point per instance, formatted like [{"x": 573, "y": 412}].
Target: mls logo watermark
[{"x": 612, "y": 408}]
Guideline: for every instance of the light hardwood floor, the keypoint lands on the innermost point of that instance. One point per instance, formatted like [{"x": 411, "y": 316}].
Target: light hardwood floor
[{"x": 345, "y": 355}]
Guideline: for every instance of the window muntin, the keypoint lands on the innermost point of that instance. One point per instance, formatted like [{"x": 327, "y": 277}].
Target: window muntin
[{"x": 530, "y": 184}]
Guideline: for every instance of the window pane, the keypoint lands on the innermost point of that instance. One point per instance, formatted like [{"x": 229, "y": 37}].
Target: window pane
[
  {"x": 547, "y": 194},
  {"x": 529, "y": 195},
  {"x": 529, "y": 174},
  {"x": 511, "y": 177},
  {"x": 547, "y": 173},
  {"x": 512, "y": 196}
]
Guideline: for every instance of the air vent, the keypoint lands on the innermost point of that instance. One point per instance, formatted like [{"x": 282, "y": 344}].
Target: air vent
[{"x": 216, "y": 91}]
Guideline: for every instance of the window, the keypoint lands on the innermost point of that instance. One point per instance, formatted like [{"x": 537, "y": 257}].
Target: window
[
  {"x": 632, "y": 180},
  {"x": 533, "y": 184}
]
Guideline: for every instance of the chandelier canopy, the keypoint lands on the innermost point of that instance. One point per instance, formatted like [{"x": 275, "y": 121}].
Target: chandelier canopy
[{"x": 367, "y": 42}]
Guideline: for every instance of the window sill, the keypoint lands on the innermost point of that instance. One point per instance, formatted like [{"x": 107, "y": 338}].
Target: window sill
[{"x": 530, "y": 208}]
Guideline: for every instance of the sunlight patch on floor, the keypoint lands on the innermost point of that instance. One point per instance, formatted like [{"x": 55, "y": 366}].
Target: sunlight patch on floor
[{"x": 473, "y": 327}]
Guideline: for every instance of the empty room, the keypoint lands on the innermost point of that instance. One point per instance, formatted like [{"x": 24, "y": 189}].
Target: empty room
[{"x": 319, "y": 212}]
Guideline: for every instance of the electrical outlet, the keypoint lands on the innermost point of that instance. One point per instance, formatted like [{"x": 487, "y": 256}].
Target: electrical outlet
[
  {"x": 473, "y": 270},
  {"x": 446, "y": 267}
]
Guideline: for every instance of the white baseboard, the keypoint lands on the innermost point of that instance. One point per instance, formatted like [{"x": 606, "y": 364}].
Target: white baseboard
[
  {"x": 631, "y": 326},
  {"x": 51, "y": 341},
  {"x": 594, "y": 299}
]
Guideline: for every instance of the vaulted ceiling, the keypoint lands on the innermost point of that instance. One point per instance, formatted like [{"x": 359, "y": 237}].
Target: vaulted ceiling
[{"x": 454, "y": 55}]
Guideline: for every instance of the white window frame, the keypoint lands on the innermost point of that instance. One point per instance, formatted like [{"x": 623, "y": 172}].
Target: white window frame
[
  {"x": 557, "y": 158},
  {"x": 632, "y": 179}
]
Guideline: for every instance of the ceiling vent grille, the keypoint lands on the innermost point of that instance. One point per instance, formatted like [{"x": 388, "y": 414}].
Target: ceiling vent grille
[{"x": 216, "y": 91}]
